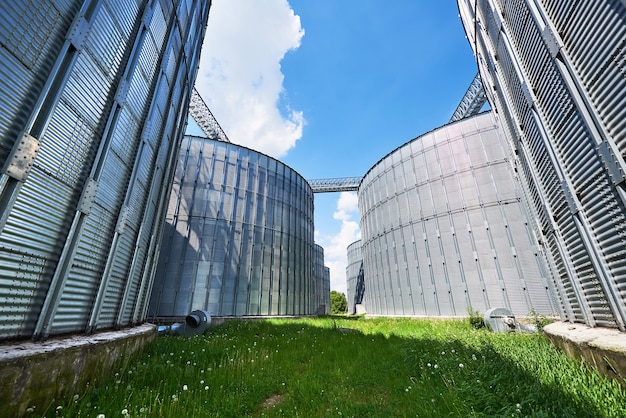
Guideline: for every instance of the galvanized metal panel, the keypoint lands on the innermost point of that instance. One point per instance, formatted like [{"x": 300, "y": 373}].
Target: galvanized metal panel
[
  {"x": 273, "y": 281},
  {"x": 461, "y": 253},
  {"x": 559, "y": 52},
  {"x": 26, "y": 59},
  {"x": 65, "y": 159}
]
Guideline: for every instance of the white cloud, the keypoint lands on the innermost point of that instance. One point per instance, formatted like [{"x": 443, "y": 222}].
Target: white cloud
[
  {"x": 240, "y": 76},
  {"x": 335, "y": 247},
  {"x": 347, "y": 204}
]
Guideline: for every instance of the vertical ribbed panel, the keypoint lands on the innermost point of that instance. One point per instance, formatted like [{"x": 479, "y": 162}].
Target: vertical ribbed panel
[
  {"x": 455, "y": 232},
  {"x": 83, "y": 224},
  {"x": 320, "y": 297},
  {"x": 32, "y": 34},
  {"x": 238, "y": 238},
  {"x": 559, "y": 83}
]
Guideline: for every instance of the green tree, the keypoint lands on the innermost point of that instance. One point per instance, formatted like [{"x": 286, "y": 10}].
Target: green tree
[{"x": 338, "y": 303}]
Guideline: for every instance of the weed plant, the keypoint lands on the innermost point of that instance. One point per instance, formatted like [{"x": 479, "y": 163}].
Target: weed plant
[{"x": 361, "y": 367}]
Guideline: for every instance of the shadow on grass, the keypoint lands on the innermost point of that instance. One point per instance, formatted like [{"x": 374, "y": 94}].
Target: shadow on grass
[
  {"x": 480, "y": 373},
  {"x": 349, "y": 366}
]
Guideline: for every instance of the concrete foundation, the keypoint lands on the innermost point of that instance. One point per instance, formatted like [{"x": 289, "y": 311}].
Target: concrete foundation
[
  {"x": 39, "y": 375},
  {"x": 602, "y": 348}
]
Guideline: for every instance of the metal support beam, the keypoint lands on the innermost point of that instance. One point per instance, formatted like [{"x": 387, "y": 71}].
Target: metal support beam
[
  {"x": 472, "y": 102},
  {"x": 346, "y": 184},
  {"x": 200, "y": 112}
]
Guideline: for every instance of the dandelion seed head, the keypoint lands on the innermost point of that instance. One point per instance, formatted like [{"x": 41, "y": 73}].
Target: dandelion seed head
[
  {"x": 461, "y": 365},
  {"x": 124, "y": 411},
  {"x": 185, "y": 387}
]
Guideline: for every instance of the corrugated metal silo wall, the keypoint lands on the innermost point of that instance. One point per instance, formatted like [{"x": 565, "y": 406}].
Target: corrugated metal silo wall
[
  {"x": 95, "y": 96},
  {"x": 444, "y": 229},
  {"x": 559, "y": 83},
  {"x": 355, "y": 260},
  {"x": 326, "y": 293},
  {"x": 318, "y": 274},
  {"x": 238, "y": 239}
]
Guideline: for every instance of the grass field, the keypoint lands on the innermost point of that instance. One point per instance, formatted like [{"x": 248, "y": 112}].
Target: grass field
[{"x": 335, "y": 366}]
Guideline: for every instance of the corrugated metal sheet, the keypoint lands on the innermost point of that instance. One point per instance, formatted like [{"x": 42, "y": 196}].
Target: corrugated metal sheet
[
  {"x": 445, "y": 245},
  {"x": 27, "y": 58},
  {"x": 560, "y": 74},
  {"x": 227, "y": 237},
  {"x": 82, "y": 242}
]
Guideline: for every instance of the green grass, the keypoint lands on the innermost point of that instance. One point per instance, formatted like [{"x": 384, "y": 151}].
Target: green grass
[{"x": 351, "y": 367}]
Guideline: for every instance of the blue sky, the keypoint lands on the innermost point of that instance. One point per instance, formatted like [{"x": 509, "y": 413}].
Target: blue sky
[{"x": 330, "y": 87}]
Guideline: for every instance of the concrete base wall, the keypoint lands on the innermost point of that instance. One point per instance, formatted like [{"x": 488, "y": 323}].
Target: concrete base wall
[
  {"x": 46, "y": 374},
  {"x": 602, "y": 348}
]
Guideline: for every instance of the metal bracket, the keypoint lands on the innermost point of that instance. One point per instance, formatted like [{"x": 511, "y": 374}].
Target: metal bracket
[
  {"x": 78, "y": 33},
  {"x": 573, "y": 208},
  {"x": 88, "y": 197},
  {"x": 147, "y": 16},
  {"x": 610, "y": 162},
  {"x": 121, "y": 223},
  {"x": 22, "y": 157},
  {"x": 527, "y": 94},
  {"x": 122, "y": 92},
  {"x": 496, "y": 17},
  {"x": 553, "y": 44}
]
